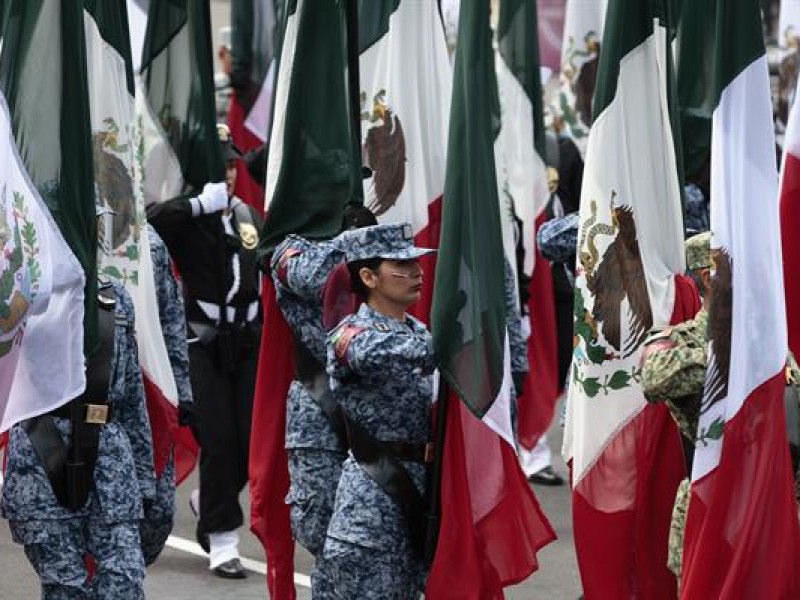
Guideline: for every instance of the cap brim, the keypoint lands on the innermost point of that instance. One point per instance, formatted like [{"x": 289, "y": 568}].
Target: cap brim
[{"x": 407, "y": 254}]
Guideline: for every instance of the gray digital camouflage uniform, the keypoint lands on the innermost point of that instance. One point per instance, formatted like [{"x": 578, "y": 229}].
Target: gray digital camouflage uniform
[
  {"x": 160, "y": 513},
  {"x": 107, "y": 527},
  {"x": 558, "y": 238},
  {"x": 381, "y": 373},
  {"x": 516, "y": 340},
  {"x": 300, "y": 269}
]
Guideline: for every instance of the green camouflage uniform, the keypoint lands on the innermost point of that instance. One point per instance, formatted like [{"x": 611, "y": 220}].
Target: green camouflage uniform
[{"x": 674, "y": 371}]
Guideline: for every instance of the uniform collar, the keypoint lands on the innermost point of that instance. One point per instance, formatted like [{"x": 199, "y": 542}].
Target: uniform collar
[{"x": 383, "y": 321}]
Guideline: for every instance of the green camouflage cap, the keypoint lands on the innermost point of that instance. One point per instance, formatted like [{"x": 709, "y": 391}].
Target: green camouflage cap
[{"x": 698, "y": 251}]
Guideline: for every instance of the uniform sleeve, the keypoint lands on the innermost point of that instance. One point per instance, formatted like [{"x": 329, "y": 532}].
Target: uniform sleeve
[
  {"x": 519, "y": 349},
  {"x": 169, "y": 217},
  {"x": 364, "y": 352},
  {"x": 132, "y": 409},
  {"x": 302, "y": 267},
  {"x": 172, "y": 316},
  {"x": 558, "y": 238},
  {"x": 673, "y": 368}
]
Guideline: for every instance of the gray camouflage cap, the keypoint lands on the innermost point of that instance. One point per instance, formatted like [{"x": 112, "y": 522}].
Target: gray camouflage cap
[{"x": 390, "y": 242}]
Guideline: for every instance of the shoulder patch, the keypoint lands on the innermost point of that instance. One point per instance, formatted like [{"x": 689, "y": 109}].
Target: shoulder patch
[
  {"x": 283, "y": 262},
  {"x": 657, "y": 344},
  {"x": 341, "y": 341}
]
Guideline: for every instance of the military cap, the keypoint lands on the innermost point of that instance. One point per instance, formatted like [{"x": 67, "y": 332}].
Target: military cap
[
  {"x": 698, "y": 251},
  {"x": 391, "y": 242},
  {"x": 229, "y": 150}
]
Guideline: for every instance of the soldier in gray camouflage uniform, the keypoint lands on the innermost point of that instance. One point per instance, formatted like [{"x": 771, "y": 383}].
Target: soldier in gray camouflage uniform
[
  {"x": 516, "y": 340},
  {"x": 107, "y": 526},
  {"x": 381, "y": 363},
  {"x": 159, "y": 514},
  {"x": 300, "y": 269}
]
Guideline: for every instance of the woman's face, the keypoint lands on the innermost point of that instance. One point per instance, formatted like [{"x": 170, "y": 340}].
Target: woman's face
[{"x": 395, "y": 281}]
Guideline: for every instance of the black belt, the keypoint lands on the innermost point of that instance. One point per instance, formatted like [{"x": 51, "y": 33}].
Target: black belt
[
  {"x": 418, "y": 453},
  {"x": 94, "y": 413}
]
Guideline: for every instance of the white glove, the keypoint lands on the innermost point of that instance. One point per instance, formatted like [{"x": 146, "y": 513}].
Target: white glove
[{"x": 213, "y": 198}]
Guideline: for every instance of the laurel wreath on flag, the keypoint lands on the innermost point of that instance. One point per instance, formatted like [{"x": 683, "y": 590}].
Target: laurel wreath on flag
[{"x": 589, "y": 351}]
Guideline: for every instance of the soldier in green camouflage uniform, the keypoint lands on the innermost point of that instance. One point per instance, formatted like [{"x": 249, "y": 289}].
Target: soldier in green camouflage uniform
[{"x": 674, "y": 371}]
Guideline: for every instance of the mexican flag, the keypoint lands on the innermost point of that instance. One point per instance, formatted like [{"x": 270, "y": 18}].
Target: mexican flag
[
  {"x": 742, "y": 537},
  {"x": 584, "y": 21},
  {"x": 492, "y": 526},
  {"x": 48, "y": 283},
  {"x": 116, "y": 146},
  {"x": 790, "y": 216},
  {"x": 405, "y": 93},
  {"x": 179, "y": 151},
  {"x": 522, "y": 179},
  {"x": 630, "y": 252},
  {"x": 176, "y": 102},
  {"x": 313, "y": 171},
  {"x": 253, "y": 33}
]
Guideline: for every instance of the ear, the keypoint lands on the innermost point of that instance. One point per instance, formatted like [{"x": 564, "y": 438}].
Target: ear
[
  {"x": 368, "y": 277},
  {"x": 705, "y": 275}
]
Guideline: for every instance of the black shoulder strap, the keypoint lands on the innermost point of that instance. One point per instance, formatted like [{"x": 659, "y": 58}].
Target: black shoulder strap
[
  {"x": 311, "y": 373},
  {"x": 247, "y": 233},
  {"x": 393, "y": 478}
]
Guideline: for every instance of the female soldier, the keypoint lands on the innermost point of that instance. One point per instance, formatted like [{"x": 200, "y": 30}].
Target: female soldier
[{"x": 381, "y": 364}]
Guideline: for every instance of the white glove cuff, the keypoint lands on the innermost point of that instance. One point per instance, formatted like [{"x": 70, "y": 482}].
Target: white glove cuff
[{"x": 197, "y": 207}]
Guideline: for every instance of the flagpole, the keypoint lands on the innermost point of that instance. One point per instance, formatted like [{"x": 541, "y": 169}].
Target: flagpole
[{"x": 434, "y": 516}]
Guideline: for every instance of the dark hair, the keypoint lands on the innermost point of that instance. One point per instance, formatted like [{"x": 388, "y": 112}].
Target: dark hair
[
  {"x": 357, "y": 216},
  {"x": 358, "y": 287}
]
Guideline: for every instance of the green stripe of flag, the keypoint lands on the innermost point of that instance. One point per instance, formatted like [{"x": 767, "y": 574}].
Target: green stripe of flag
[
  {"x": 373, "y": 21},
  {"x": 315, "y": 149},
  {"x": 178, "y": 75},
  {"x": 716, "y": 41},
  {"x": 518, "y": 43},
  {"x": 469, "y": 318},
  {"x": 112, "y": 21}
]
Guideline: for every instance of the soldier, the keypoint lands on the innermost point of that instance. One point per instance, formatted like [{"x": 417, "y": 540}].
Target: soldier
[
  {"x": 77, "y": 477},
  {"x": 381, "y": 363},
  {"x": 300, "y": 270},
  {"x": 213, "y": 240},
  {"x": 674, "y": 371},
  {"x": 516, "y": 339},
  {"x": 159, "y": 514}
]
